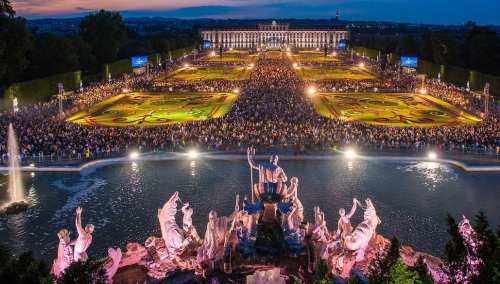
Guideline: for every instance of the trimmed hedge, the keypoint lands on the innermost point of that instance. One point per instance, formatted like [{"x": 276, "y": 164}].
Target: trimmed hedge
[
  {"x": 154, "y": 59},
  {"x": 370, "y": 53},
  {"x": 455, "y": 75},
  {"x": 41, "y": 90},
  {"x": 116, "y": 69},
  {"x": 179, "y": 53}
]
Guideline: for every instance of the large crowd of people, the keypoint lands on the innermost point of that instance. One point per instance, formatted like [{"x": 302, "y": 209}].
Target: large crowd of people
[{"x": 272, "y": 113}]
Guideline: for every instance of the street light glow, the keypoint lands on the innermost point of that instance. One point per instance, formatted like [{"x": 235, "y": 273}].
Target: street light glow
[
  {"x": 312, "y": 90},
  {"x": 350, "y": 154},
  {"x": 295, "y": 65},
  {"x": 192, "y": 154},
  {"x": 236, "y": 91},
  {"x": 432, "y": 155},
  {"x": 423, "y": 91},
  {"x": 362, "y": 65},
  {"x": 134, "y": 155}
]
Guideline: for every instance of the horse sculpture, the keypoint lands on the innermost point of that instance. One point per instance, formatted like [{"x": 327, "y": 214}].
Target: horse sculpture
[
  {"x": 364, "y": 232},
  {"x": 116, "y": 256},
  {"x": 175, "y": 242},
  {"x": 64, "y": 253}
]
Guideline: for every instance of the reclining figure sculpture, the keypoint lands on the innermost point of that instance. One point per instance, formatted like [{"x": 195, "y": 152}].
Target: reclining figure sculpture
[{"x": 364, "y": 232}]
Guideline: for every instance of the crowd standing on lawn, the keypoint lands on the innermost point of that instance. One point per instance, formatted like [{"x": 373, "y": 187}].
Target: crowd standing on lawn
[{"x": 272, "y": 111}]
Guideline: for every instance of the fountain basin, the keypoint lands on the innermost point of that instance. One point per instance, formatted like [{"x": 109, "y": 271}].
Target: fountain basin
[{"x": 16, "y": 207}]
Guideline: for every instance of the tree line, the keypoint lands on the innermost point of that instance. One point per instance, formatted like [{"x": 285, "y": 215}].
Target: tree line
[
  {"x": 475, "y": 49},
  {"x": 101, "y": 38}
]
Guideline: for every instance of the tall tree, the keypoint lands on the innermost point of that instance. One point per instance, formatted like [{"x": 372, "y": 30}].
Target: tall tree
[
  {"x": 455, "y": 252},
  {"x": 105, "y": 32},
  {"x": 407, "y": 46},
  {"x": 53, "y": 54},
  {"x": 495, "y": 263},
  {"x": 25, "y": 269},
  {"x": 426, "y": 47},
  {"x": 88, "y": 63},
  {"x": 401, "y": 274},
  {"x": 483, "y": 53},
  {"x": 486, "y": 246},
  {"x": 382, "y": 264},
  {"x": 83, "y": 272},
  {"x": 15, "y": 42},
  {"x": 421, "y": 268},
  {"x": 444, "y": 49},
  {"x": 322, "y": 273}
]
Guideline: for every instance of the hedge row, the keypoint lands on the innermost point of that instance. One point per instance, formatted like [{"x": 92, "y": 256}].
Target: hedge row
[
  {"x": 456, "y": 75},
  {"x": 154, "y": 59},
  {"x": 179, "y": 53},
  {"x": 116, "y": 69},
  {"x": 41, "y": 90},
  {"x": 370, "y": 53}
]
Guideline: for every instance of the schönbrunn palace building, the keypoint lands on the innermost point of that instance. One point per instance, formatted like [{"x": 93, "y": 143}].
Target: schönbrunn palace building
[{"x": 276, "y": 35}]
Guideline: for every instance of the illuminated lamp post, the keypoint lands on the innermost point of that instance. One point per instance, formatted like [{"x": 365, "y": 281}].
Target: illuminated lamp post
[
  {"x": 60, "y": 98},
  {"x": 486, "y": 99}
]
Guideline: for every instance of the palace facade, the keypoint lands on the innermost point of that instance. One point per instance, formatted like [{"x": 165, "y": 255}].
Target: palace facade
[{"x": 276, "y": 35}]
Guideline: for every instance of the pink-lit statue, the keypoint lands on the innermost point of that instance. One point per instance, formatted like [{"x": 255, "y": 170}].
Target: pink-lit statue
[
  {"x": 344, "y": 224},
  {"x": 175, "y": 242},
  {"x": 84, "y": 239},
  {"x": 64, "y": 253},
  {"x": 320, "y": 232},
  {"x": 359, "y": 239},
  {"x": 187, "y": 224},
  {"x": 116, "y": 256}
]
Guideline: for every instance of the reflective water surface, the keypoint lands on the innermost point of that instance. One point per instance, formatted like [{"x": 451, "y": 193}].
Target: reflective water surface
[{"x": 122, "y": 200}]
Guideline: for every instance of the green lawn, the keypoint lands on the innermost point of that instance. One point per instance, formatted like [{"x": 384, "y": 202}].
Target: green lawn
[
  {"x": 150, "y": 109},
  {"x": 335, "y": 73},
  {"x": 312, "y": 55},
  {"x": 404, "y": 109},
  {"x": 231, "y": 56},
  {"x": 211, "y": 73}
]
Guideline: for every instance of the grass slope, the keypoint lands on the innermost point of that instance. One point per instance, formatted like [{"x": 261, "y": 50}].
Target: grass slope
[
  {"x": 151, "y": 109},
  {"x": 402, "y": 109}
]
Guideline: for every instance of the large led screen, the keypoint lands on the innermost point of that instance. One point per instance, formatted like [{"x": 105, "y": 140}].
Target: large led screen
[
  {"x": 139, "y": 61},
  {"x": 409, "y": 61}
]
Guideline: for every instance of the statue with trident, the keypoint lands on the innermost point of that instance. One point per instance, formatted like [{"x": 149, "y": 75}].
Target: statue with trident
[{"x": 271, "y": 176}]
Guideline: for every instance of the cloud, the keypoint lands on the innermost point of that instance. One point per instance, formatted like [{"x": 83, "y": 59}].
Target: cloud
[
  {"x": 442, "y": 12},
  {"x": 83, "y": 9}
]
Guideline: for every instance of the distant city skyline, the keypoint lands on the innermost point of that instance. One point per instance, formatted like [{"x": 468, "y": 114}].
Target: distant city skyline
[{"x": 444, "y": 12}]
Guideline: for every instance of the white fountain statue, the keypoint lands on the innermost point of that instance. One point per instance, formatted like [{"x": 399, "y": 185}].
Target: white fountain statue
[
  {"x": 15, "y": 189},
  {"x": 364, "y": 232},
  {"x": 175, "y": 241}
]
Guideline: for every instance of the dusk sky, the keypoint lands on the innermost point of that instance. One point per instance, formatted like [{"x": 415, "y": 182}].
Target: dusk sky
[{"x": 484, "y": 12}]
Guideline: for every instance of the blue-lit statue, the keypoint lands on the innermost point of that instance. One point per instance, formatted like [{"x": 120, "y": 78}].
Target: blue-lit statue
[{"x": 271, "y": 176}]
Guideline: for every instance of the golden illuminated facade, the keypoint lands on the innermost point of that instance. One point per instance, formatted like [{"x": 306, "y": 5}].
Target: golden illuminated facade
[{"x": 276, "y": 35}]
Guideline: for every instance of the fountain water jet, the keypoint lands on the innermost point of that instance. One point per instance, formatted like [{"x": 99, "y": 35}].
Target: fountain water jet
[{"x": 15, "y": 189}]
